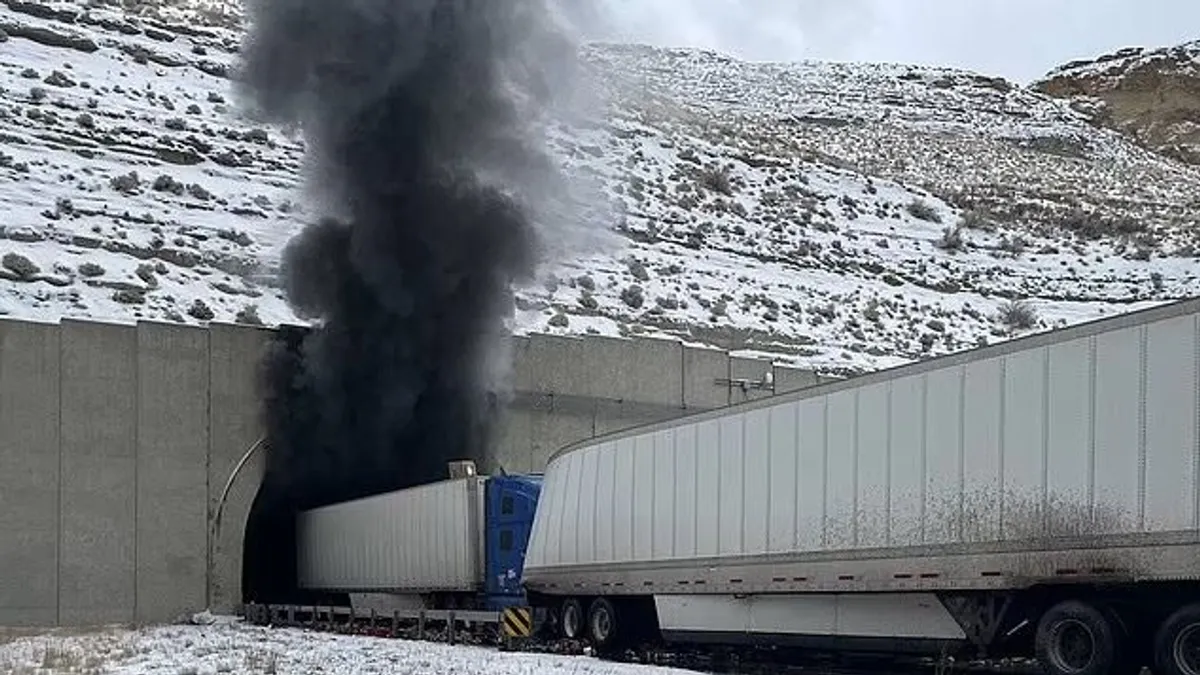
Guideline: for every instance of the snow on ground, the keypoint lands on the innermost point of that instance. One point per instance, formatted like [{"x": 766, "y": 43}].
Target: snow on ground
[{"x": 231, "y": 647}]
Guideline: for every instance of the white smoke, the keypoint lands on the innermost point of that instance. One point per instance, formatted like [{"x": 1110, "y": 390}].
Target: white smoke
[{"x": 768, "y": 30}]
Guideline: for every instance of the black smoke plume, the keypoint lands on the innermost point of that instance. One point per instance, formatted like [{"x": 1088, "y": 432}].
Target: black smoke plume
[{"x": 418, "y": 118}]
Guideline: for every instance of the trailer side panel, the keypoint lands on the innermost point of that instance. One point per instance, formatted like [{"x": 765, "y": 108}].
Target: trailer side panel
[
  {"x": 1076, "y": 455},
  {"x": 423, "y": 539}
]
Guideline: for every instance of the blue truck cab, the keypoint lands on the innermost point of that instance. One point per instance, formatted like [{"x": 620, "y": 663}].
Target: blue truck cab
[{"x": 511, "y": 502}]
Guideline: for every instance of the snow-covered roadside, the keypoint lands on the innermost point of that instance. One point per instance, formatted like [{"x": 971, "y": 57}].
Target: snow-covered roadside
[{"x": 231, "y": 647}]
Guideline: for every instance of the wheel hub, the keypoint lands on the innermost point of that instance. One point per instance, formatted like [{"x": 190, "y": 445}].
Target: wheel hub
[
  {"x": 1074, "y": 646},
  {"x": 1186, "y": 650},
  {"x": 601, "y": 625},
  {"x": 571, "y": 620}
]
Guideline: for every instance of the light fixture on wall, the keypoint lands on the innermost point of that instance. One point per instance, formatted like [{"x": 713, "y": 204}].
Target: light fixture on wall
[{"x": 767, "y": 382}]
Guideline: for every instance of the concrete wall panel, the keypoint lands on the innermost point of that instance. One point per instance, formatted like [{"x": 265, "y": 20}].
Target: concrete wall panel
[
  {"x": 99, "y": 446},
  {"x": 172, "y": 470},
  {"x": 551, "y": 430},
  {"x": 234, "y": 426},
  {"x": 614, "y": 416},
  {"x": 649, "y": 371},
  {"x": 29, "y": 477},
  {"x": 521, "y": 352},
  {"x": 643, "y": 370},
  {"x": 514, "y": 442},
  {"x": 791, "y": 379},
  {"x": 701, "y": 370}
]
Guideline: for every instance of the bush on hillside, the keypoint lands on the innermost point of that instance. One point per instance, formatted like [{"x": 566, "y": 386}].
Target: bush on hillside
[
  {"x": 922, "y": 210},
  {"x": 1018, "y": 315}
]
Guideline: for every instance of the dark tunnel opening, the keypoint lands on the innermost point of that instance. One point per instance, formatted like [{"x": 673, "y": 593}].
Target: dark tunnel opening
[
  {"x": 300, "y": 473},
  {"x": 269, "y": 548},
  {"x": 269, "y": 555}
]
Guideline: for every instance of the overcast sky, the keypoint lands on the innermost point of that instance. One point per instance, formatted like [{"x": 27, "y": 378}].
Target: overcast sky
[{"x": 1018, "y": 39}]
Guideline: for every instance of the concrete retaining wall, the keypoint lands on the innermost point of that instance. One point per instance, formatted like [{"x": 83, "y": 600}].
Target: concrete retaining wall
[
  {"x": 118, "y": 442},
  {"x": 29, "y": 485},
  {"x": 569, "y": 389},
  {"x": 115, "y": 443}
]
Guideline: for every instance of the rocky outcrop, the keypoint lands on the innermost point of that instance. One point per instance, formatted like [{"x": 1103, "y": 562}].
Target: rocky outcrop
[{"x": 1153, "y": 95}]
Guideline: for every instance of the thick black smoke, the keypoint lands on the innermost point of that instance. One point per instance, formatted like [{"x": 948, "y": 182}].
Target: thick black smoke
[{"x": 418, "y": 119}]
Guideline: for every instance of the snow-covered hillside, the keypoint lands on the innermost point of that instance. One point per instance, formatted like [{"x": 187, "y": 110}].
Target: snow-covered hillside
[
  {"x": 843, "y": 217},
  {"x": 130, "y": 186}
]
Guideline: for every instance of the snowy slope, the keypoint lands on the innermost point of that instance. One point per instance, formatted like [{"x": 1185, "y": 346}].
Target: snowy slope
[
  {"x": 228, "y": 647},
  {"x": 131, "y": 188},
  {"x": 804, "y": 209},
  {"x": 838, "y": 216}
]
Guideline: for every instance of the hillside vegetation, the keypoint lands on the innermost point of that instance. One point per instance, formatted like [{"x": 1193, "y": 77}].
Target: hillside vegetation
[{"x": 841, "y": 217}]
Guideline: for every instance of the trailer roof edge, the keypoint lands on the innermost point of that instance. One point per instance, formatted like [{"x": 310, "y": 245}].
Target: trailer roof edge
[{"x": 1085, "y": 329}]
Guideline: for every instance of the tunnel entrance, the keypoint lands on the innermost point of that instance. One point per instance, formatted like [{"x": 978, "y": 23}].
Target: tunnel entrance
[
  {"x": 301, "y": 472},
  {"x": 269, "y": 548},
  {"x": 269, "y": 555}
]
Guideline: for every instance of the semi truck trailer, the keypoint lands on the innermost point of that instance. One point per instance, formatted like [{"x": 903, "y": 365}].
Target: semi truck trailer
[
  {"x": 1036, "y": 497},
  {"x": 453, "y": 544}
]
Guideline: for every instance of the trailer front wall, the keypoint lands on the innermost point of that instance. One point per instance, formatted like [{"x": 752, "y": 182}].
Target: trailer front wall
[
  {"x": 1093, "y": 436},
  {"x": 426, "y": 538}
]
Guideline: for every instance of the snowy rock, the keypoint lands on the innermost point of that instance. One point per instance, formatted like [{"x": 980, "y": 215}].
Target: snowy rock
[{"x": 204, "y": 618}]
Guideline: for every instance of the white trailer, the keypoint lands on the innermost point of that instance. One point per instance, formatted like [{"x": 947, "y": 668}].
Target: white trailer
[
  {"x": 1039, "y": 496},
  {"x": 418, "y": 541}
]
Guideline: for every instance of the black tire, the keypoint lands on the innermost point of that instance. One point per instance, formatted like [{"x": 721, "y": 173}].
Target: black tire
[
  {"x": 571, "y": 619},
  {"x": 603, "y": 624},
  {"x": 1177, "y": 643},
  {"x": 1075, "y": 638},
  {"x": 1131, "y": 647}
]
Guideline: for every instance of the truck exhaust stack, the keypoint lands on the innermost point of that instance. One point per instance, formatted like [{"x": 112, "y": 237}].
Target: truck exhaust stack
[{"x": 464, "y": 468}]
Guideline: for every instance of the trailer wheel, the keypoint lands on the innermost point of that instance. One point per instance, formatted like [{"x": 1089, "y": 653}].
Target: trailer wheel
[
  {"x": 571, "y": 619},
  {"x": 602, "y": 623},
  {"x": 1177, "y": 643},
  {"x": 1075, "y": 638}
]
